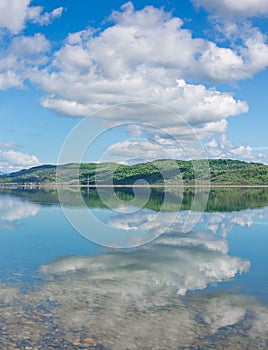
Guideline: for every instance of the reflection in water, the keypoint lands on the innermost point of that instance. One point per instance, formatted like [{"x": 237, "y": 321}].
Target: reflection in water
[
  {"x": 173, "y": 261},
  {"x": 137, "y": 300},
  {"x": 151, "y": 297},
  {"x": 220, "y": 199},
  {"x": 223, "y": 223},
  {"x": 77, "y": 312},
  {"x": 216, "y": 223},
  {"x": 13, "y": 208}
]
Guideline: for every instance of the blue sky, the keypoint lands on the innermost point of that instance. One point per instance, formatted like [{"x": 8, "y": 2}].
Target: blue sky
[{"x": 64, "y": 61}]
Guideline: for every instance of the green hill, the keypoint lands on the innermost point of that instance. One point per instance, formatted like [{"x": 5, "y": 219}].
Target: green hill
[{"x": 222, "y": 172}]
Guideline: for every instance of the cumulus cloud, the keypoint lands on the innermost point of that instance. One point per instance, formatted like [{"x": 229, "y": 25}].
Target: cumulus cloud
[
  {"x": 123, "y": 63},
  {"x": 143, "y": 150},
  {"x": 15, "y": 13},
  {"x": 205, "y": 109},
  {"x": 164, "y": 146},
  {"x": 256, "y": 50},
  {"x": 23, "y": 54},
  {"x": 230, "y": 8},
  {"x": 9, "y": 79},
  {"x": 248, "y": 50},
  {"x": 224, "y": 148},
  {"x": 11, "y": 160},
  {"x": 23, "y": 46},
  {"x": 20, "y": 53},
  {"x": 159, "y": 147},
  {"x": 36, "y": 15}
]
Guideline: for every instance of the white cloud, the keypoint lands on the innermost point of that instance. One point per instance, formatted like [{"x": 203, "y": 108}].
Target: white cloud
[
  {"x": 219, "y": 63},
  {"x": 9, "y": 79},
  {"x": 36, "y": 15},
  {"x": 224, "y": 148},
  {"x": 9, "y": 145},
  {"x": 163, "y": 146},
  {"x": 23, "y": 54},
  {"x": 256, "y": 51},
  {"x": 23, "y": 46},
  {"x": 15, "y": 13},
  {"x": 146, "y": 150},
  {"x": 93, "y": 70},
  {"x": 121, "y": 63},
  {"x": 230, "y": 8},
  {"x": 75, "y": 95},
  {"x": 248, "y": 50},
  {"x": 11, "y": 160},
  {"x": 249, "y": 42},
  {"x": 19, "y": 53}
]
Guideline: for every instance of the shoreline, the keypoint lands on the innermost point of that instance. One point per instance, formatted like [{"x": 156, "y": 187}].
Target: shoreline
[{"x": 55, "y": 186}]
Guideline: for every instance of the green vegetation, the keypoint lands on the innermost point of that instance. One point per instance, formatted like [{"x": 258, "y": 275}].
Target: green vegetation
[
  {"x": 234, "y": 172},
  {"x": 222, "y": 172},
  {"x": 39, "y": 174},
  {"x": 219, "y": 200}
]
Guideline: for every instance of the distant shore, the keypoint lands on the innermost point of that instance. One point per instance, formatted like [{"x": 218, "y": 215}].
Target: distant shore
[
  {"x": 164, "y": 172},
  {"x": 54, "y": 186}
]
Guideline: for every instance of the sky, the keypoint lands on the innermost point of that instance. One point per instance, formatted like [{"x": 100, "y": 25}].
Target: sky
[{"x": 151, "y": 79}]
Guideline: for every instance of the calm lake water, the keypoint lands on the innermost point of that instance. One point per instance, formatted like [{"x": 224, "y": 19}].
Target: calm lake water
[{"x": 167, "y": 289}]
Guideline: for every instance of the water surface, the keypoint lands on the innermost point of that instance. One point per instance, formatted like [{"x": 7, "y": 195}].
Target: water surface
[{"x": 203, "y": 289}]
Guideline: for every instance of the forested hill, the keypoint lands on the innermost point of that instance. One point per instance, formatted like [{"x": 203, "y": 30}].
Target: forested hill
[{"x": 222, "y": 172}]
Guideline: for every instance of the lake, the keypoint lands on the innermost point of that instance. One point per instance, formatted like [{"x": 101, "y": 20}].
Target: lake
[{"x": 127, "y": 270}]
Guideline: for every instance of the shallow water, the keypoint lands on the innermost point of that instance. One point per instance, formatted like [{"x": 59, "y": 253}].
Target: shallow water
[{"x": 168, "y": 289}]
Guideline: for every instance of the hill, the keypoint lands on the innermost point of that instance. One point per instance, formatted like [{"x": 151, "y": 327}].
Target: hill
[{"x": 222, "y": 172}]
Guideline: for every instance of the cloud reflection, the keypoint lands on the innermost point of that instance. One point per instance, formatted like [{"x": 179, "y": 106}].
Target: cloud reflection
[
  {"x": 216, "y": 223},
  {"x": 140, "y": 298},
  {"x": 13, "y": 209},
  {"x": 224, "y": 222},
  {"x": 180, "y": 262},
  {"x": 141, "y": 295}
]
